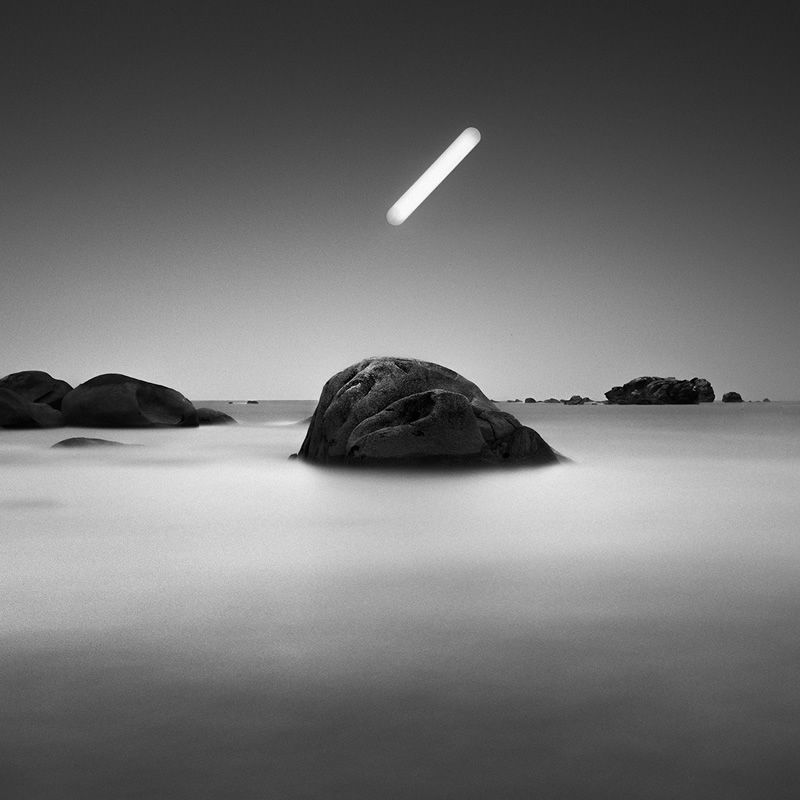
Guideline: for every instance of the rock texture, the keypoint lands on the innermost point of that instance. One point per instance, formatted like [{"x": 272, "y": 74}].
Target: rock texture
[
  {"x": 17, "y": 412},
  {"x": 36, "y": 386},
  {"x": 117, "y": 401},
  {"x": 661, "y": 391},
  {"x": 732, "y": 397},
  {"x": 400, "y": 411},
  {"x": 210, "y": 416},
  {"x": 705, "y": 391}
]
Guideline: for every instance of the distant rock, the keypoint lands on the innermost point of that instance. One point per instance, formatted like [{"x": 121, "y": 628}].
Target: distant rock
[
  {"x": 402, "y": 411},
  {"x": 36, "y": 386},
  {"x": 705, "y": 391},
  {"x": 86, "y": 441},
  {"x": 210, "y": 416},
  {"x": 252, "y": 402},
  {"x": 661, "y": 391},
  {"x": 552, "y": 400},
  {"x": 765, "y": 400},
  {"x": 732, "y": 397},
  {"x": 575, "y": 400},
  {"x": 17, "y": 412},
  {"x": 529, "y": 400},
  {"x": 118, "y": 401}
]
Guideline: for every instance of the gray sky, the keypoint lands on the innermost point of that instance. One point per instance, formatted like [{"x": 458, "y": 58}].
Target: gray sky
[{"x": 195, "y": 193}]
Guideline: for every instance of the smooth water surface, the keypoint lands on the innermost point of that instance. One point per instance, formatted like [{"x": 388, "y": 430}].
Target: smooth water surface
[{"x": 200, "y": 617}]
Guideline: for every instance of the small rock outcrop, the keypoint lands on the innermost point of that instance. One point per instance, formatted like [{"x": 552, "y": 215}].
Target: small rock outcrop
[
  {"x": 661, "y": 391},
  {"x": 705, "y": 391},
  {"x": 17, "y": 412},
  {"x": 210, "y": 416},
  {"x": 37, "y": 387},
  {"x": 86, "y": 441},
  {"x": 732, "y": 397},
  {"x": 575, "y": 400},
  {"x": 529, "y": 400},
  {"x": 118, "y": 401},
  {"x": 403, "y": 411}
]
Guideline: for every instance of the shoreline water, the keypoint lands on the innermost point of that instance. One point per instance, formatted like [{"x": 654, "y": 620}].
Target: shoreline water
[{"x": 203, "y": 617}]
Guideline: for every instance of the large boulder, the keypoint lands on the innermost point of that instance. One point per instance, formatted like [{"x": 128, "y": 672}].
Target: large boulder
[
  {"x": 37, "y": 386},
  {"x": 17, "y": 412},
  {"x": 649, "y": 390},
  {"x": 400, "y": 411},
  {"x": 117, "y": 401}
]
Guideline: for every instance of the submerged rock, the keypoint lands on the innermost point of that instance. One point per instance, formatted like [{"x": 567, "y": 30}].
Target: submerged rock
[
  {"x": 17, "y": 412},
  {"x": 117, "y": 401},
  {"x": 37, "y": 387},
  {"x": 732, "y": 397},
  {"x": 661, "y": 391},
  {"x": 86, "y": 441},
  {"x": 398, "y": 411}
]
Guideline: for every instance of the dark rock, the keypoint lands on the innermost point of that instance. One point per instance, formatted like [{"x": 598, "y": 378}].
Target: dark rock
[
  {"x": 529, "y": 400},
  {"x": 552, "y": 400},
  {"x": 575, "y": 400},
  {"x": 705, "y": 391},
  {"x": 117, "y": 401},
  {"x": 732, "y": 397},
  {"x": 210, "y": 416},
  {"x": 85, "y": 441},
  {"x": 17, "y": 412},
  {"x": 36, "y": 386},
  {"x": 661, "y": 391},
  {"x": 765, "y": 400},
  {"x": 252, "y": 402},
  {"x": 399, "y": 411}
]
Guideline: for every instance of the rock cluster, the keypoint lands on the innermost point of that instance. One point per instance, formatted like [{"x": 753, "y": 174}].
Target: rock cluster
[
  {"x": 403, "y": 411},
  {"x": 35, "y": 399},
  {"x": 661, "y": 391}
]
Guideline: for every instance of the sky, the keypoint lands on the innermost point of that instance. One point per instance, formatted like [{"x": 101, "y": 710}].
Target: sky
[{"x": 195, "y": 193}]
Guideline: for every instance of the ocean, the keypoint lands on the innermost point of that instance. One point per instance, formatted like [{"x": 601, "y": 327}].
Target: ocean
[{"x": 201, "y": 617}]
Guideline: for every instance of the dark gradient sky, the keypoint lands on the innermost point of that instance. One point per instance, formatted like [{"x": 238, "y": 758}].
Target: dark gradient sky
[{"x": 195, "y": 193}]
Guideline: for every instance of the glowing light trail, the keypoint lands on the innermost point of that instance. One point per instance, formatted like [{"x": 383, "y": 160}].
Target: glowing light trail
[{"x": 433, "y": 176}]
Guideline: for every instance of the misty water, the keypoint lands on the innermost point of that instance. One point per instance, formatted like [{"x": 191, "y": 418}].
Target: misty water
[{"x": 200, "y": 617}]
